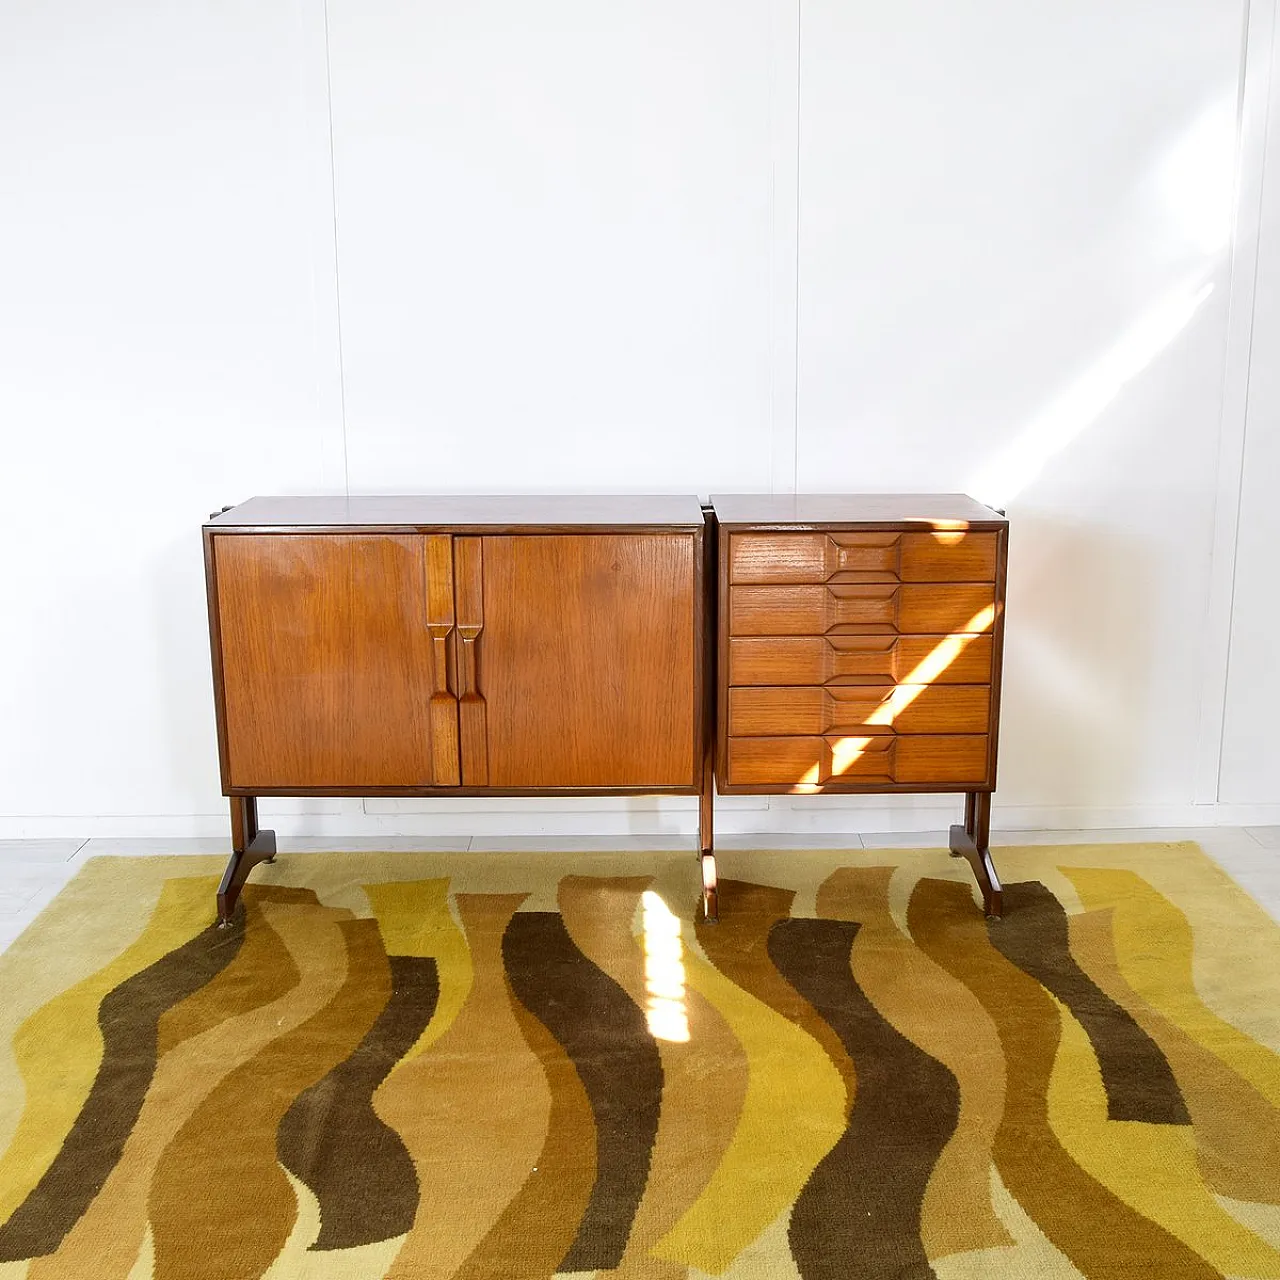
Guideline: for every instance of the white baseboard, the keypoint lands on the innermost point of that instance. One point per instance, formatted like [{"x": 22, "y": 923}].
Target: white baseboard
[{"x": 668, "y": 816}]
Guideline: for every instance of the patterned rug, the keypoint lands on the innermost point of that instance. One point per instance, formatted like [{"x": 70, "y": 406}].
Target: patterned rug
[{"x": 527, "y": 1065}]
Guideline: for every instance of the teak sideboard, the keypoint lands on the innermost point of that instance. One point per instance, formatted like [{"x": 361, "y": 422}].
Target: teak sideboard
[{"x": 424, "y": 646}]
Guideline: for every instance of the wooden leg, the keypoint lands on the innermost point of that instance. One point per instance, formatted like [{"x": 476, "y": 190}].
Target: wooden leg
[
  {"x": 250, "y": 845},
  {"x": 970, "y": 817},
  {"x": 706, "y": 843},
  {"x": 970, "y": 841}
]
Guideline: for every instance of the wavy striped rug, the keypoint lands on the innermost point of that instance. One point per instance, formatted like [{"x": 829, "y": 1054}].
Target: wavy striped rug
[{"x": 526, "y": 1066}]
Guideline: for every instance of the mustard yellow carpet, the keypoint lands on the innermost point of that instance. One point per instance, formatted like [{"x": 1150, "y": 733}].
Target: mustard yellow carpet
[{"x": 532, "y": 1065}]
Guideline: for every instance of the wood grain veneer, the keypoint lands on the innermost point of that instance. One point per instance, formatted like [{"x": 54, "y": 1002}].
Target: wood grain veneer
[
  {"x": 797, "y": 764},
  {"x": 858, "y": 709},
  {"x": 849, "y": 659},
  {"x": 862, "y": 557},
  {"x": 876, "y": 608},
  {"x": 525, "y": 513},
  {"x": 587, "y": 661},
  {"x": 792, "y": 511},
  {"x": 328, "y": 669}
]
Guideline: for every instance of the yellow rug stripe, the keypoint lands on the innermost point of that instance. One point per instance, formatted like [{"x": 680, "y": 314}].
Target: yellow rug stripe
[
  {"x": 792, "y": 1115},
  {"x": 59, "y": 1047},
  {"x": 414, "y": 919},
  {"x": 1151, "y": 1167},
  {"x": 1154, "y": 946}
]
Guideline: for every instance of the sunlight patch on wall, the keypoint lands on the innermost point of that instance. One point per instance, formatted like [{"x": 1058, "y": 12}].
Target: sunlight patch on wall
[{"x": 1081, "y": 404}]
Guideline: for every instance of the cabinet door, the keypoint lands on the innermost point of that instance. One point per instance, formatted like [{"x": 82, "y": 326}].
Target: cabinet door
[
  {"x": 577, "y": 660},
  {"x": 335, "y": 660}
]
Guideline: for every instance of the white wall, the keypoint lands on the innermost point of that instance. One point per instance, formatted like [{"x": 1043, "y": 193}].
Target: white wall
[
  {"x": 554, "y": 237},
  {"x": 1250, "y": 772},
  {"x": 685, "y": 246},
  {"x": 167, "y": 345}
]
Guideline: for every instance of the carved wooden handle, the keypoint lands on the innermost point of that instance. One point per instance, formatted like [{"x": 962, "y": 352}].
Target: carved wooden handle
[
  {"x": 869, "y": 553},
  {"x": 873, "y": 605},
  {"x": 857, "y": 709},
  {"x": 442, "y": 674},
  {"x": 864, "y": 756},
  {"x": 472, "y": 711},
  {"x": 468, "y": 663},
  {"x": 873, "y": 657},
  {"x": 438, "y": 549}
]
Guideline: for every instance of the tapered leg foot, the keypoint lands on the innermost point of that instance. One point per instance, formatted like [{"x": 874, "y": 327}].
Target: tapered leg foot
[
  {"x": 250, "y": 845},
  {"x": 710, "y": 894},
  {"x": 263, "y": 849},
  {"x": 984, "y": 870}
]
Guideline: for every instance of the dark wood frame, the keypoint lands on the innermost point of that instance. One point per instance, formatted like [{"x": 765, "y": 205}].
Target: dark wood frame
[
  {"x": 252, "y": 844},
  {"x": 969, "y": 840}
]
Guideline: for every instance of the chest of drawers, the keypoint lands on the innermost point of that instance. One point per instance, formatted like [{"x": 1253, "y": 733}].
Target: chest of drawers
[{"x": 859, "y": 643}]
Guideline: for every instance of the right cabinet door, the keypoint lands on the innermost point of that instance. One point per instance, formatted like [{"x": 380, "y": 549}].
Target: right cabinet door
[{"x": 577, "y": 660}]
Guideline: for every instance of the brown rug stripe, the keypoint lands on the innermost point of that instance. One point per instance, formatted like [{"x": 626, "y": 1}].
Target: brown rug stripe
[
  {"x": 599, "y": 912},
  {"x": 106, "y": 1240},
  {"x": 222, "y": 1166},
  {"x": 742, "y": 953},
  {"x": 129, "y": 1018},
  {"x": 472, "y": 1109},
  {"x": 861, "y": 1206},
  {"x": 1139, "y": 1082},
  {"x": 943, "y": 1017},
  {"x": 608, "y": 1042},
  {"x": 539, "y": 1225},
  {"x": 263, "y": 970},
  {"x": 332, "y": 1140},
  {"x": 1059, "y": 1195}
]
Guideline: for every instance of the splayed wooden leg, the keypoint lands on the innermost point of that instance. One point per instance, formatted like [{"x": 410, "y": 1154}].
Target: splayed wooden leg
[
  {"x": 250, "y": 845},
  {"x": 970, "y": 841}
]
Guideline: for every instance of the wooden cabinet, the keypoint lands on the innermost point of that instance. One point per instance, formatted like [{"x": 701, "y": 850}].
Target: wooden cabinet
[
  {"x": 624, "y": 645},
  {"x": 860, "y": 641},
  {"x": 433, "y": 646}
]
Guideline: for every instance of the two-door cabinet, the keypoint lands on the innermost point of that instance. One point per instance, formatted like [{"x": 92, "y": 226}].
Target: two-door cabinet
[
  {"x": 384, "y": 646},
  {"x": 859, "y": 650}
]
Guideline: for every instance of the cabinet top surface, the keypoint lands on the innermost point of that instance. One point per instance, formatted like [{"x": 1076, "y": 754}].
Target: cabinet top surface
[
  {"x": 458, "y": 511},
  {"x": 948, "y": 509}
]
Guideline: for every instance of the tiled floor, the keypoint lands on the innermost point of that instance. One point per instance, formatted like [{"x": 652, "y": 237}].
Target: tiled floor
[{"x": 32, "y": 871}]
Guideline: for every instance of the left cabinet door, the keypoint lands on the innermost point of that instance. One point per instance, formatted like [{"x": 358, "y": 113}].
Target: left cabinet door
[{"x": 336, "y": 652}]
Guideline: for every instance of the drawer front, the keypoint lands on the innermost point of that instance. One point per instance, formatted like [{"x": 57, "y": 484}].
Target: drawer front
[
  {"x": 869, "y": 608},
  {"x": 862, "y": 557},
  {"x": 952, "y": 761},
  {"x": 837, "y": 660},
  {"x": 860, "y": 709}
]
